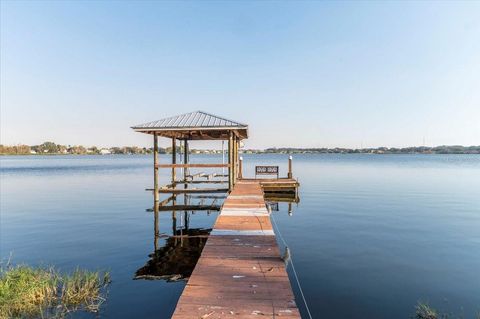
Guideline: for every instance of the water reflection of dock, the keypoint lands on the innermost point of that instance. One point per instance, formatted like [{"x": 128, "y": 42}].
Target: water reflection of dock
[{"x": 177, "y": 258}]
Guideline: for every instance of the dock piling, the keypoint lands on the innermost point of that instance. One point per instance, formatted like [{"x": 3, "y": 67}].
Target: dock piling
[
  {"x": 290, "y": 166},
  {"x": 240, "y": 168},
  {"x": 155, "y": 169},
  {"x": 185, "y": 161},
  {"x": 174, "y": 157},
  {"x": 230, "y": 161}
]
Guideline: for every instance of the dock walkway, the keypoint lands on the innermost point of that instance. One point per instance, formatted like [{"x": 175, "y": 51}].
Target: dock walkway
[{"x": 240, "y": 273}]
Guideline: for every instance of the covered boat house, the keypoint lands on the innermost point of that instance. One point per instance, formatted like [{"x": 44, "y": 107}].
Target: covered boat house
[{"x": 194, "y": 126}]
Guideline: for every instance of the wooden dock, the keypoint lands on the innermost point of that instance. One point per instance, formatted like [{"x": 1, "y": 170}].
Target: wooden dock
[
  {"x": 277, "y": 185},
  {"x": 240, "y": 273}
]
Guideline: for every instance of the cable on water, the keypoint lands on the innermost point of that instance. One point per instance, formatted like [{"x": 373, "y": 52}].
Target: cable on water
[{"x": 287, "y": 252}]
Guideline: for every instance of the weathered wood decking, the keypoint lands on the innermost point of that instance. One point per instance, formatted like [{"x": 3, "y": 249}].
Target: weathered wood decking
[
  {"x": 240, "y": 273},
  {"x": 281, "y": 185}
]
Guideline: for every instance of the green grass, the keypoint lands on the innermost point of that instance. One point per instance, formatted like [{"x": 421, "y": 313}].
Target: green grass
[
  {"x": 24, "y": 290},
  {"x": 84, "y": 288},
  {"x": 424, "y": 311},
  {"x": 27, "y": 292}
]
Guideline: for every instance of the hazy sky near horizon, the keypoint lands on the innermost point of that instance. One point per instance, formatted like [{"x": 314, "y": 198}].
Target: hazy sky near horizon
[{"x": 305, "y": 74}]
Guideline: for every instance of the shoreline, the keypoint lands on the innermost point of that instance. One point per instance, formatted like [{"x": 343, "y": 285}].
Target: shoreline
[{"x": 259, "y": 153}]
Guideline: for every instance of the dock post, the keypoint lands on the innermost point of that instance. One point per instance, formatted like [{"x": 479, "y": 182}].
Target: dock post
[
  {"x": 290, "y": 175},
  {"x": 230, "y": 160},
  {"x": 174, "y": 160},
  {"x": 185, "y": 161},
  {"x": 223, "y": 157},
  {"x": 240, "y": 168},
  {"x": 155, "y": 169},
  {"x": 235, "y": 159}
]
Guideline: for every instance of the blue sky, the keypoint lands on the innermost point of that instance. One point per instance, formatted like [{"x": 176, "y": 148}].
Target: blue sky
[{"x": 306, "y": 74}]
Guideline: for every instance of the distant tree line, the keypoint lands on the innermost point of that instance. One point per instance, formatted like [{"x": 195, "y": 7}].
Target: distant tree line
[
  {"x": 48, "y": 148},
  {"x": 444, "y": 149}
]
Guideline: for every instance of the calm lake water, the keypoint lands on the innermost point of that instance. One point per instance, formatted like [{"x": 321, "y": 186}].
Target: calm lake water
[{"x": 371, "y": 236}]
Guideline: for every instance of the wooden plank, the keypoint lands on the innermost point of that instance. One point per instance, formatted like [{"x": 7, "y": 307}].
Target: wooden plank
[
  {"x": 189, "y": 190},
  {"x": 192, "y": 165},
  {"x": 166, "y": 201},
  {"x": 201, "y": 182}
]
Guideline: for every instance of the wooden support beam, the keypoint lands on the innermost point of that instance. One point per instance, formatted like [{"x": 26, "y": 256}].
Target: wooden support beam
[
  {"x": 175, "y": 183},
  {"x": 235, "y": 153},
  {"x": 190, "y": 190},
  {"x": 201, "y": 182},
  {"x": 208, "y": 196},
  {"x": 166, "y": 201},
  {"x": 174, "y": 157},
  {"x": 290, "y": 174},
  {"x": 240, "y": 167},
  {"x": 233, "y": 159},
  {"x": 192, "y": 165},
  {"x": 234, "y": 162},
  {"x": 185, "y": 160},
  {"x": 155, "y": 168},
  {"x": 230, "y": 157}
]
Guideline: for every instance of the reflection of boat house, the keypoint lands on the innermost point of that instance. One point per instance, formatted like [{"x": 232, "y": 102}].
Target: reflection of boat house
[{"x": 177, "y": 258}]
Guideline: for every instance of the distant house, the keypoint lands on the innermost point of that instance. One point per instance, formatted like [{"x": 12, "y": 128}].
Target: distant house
[
  {"x": 33, "y": 152},
  {"x": 105, "y": 151}
]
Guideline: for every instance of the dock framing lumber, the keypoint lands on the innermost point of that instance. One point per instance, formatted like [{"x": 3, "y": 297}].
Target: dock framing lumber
[
  {"x": 191, "y": 165},
  {"x": 188, "y": 190},
  {"x": 277, "y": 185},
  {"x": 186, "y": 207},
  {"x": 240, "y": 273},
  {"x": 191, "y": 182}
]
